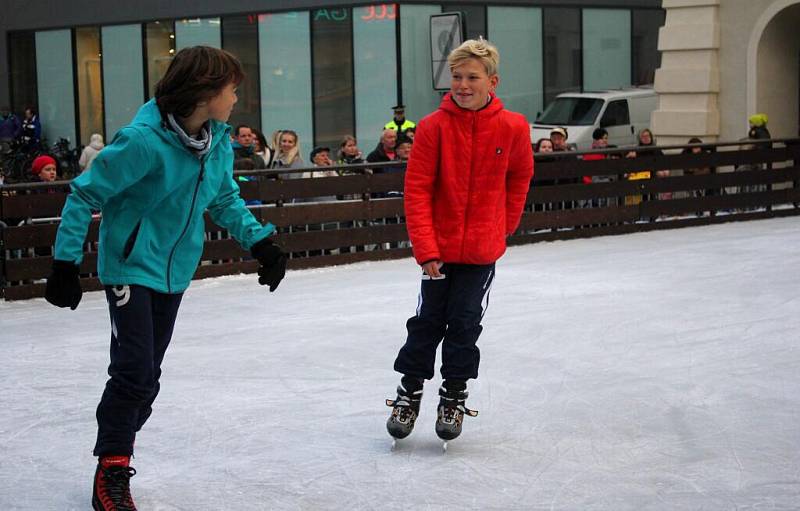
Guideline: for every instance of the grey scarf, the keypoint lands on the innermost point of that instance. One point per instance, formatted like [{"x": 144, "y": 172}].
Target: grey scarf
[{"x": 200, "y": 145}]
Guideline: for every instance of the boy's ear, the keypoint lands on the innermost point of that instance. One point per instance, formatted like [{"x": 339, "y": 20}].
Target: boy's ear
[{"x": 494, "y": 81}]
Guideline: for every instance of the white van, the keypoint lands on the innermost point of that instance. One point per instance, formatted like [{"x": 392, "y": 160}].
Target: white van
[{"x": 623, "y": 113}]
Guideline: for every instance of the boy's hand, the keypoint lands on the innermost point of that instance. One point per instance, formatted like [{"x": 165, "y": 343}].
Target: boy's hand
[
  {"x": 64, "y": 285},
  {"x": 431, "y": 269},
  {"x": 273, "y": 263}
]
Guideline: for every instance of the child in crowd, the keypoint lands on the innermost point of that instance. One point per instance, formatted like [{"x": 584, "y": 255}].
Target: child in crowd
[
  {"x": 403, "y": 148},
  {"x": 152, "y": 184},
  {"x": 44, "y": 168},
  {"x": 461, "y": 203}
]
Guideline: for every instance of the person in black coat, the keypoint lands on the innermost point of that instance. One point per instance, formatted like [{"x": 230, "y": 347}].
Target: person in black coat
[{"x": 384, "y": 151}]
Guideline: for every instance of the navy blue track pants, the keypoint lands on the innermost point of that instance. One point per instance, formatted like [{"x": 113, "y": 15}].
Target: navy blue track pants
[
  {"x": 449, "y": 310},
  {"x": 141, "y": 328}
]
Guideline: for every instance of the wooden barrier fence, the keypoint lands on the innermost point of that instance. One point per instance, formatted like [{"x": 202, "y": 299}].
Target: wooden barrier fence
[{"x": 366, "y": 221}]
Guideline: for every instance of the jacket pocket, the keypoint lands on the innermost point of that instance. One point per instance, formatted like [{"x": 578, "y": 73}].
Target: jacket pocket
[{"x": 126, "y": 251}]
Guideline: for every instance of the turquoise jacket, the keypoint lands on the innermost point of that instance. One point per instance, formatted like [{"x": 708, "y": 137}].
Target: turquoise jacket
[{"x": 152, "y": 192}]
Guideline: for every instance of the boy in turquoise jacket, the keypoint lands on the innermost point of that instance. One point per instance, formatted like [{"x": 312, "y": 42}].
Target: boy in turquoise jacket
[{"x": 153, "y": 184}]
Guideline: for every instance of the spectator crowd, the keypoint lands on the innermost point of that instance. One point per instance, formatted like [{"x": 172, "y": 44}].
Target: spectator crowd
[
  {"x": 21, "y": 144},
  {"x": 547, "y": 149}
]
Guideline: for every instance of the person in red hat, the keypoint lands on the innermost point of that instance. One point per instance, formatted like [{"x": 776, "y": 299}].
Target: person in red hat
[{"x": 44, "y": 167}]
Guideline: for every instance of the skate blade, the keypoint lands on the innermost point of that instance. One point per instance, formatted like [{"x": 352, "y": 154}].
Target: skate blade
[
  {"x": 444, "y": 447},
  {"x": 394, "y": 444}
]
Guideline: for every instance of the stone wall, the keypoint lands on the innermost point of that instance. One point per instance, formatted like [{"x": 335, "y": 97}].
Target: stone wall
[{"x": 722, "y": 62}]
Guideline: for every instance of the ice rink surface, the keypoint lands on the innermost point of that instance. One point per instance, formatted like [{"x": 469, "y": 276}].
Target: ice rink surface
[{"x": 655, "y": 371}]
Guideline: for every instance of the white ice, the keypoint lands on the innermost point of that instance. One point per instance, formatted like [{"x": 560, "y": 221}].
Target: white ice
[{"x": 655, "y": 371}]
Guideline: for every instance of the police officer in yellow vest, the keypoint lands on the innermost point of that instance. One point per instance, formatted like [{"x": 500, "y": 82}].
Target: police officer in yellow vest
[{"x": 400, "y": 124}]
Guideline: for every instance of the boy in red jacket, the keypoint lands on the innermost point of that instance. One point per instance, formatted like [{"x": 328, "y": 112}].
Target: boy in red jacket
[{"x": 460, "y": 206}]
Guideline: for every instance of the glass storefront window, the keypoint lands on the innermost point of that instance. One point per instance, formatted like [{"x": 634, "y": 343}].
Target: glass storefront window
[
  {"x": 285, "y": 63},
  {"x": 332, "y": 58},
  {"x": 22, "y": 67},
  {"x": 160, "y": 47},
  {"x": 54, "y": 78},
  {"x": 415, "y": 55},
  {"x": 606, "y": 49},
  {"x": 375, "y": 66},
  {"x": 197, "y": 31},
  {"x": 123, "y": 75},
  {"x": 88, "y": 68},
  {"x": 474, "y": 17},
  {"x": 645, "y": 54},
  {"x": 517, "y": 33},
  {"x": 562, "y": 51},
  {"x": 240, "y": 34}
]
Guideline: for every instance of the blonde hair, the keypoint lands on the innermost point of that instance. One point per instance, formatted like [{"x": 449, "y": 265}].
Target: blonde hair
[
  {"x": 288, "y": 157},
  {"x": 345, "y": 140},
  {"x": 480, "y": 49}
]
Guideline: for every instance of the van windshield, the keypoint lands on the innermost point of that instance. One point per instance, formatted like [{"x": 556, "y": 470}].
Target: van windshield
[{"x": 571, "y": 112}]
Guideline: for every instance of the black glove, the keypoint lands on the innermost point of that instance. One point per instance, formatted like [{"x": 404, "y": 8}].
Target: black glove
[
  {"x": 273, "y": 263},
  {"x": 64, "y": 285}
]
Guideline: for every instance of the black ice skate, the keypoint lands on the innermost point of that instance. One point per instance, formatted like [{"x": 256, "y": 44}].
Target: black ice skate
[
  {"x": 451, "y": 413},
  {"x": 112, "y": 484},
  {"x": 405, "y": 410}
]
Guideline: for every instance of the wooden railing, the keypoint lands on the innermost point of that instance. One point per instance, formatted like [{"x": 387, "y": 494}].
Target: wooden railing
[{"x": 366, "y": 220}]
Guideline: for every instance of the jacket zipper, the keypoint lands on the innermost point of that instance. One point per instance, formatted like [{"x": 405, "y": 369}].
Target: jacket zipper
[
  {"x": 188, "y": 222},
  {"x": 469, "y": 188}
]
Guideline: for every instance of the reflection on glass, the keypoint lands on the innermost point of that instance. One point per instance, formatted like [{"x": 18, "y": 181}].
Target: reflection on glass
[
  {"x": 22, "y": 65},
  {"x": 645, "y": 54},
  {"x": 122, "y": 75},
  {"x": 332, "y": 44},
  {"x": 375, "y": 54},
  {"x": 160, "y": 44},
  {"x": 197, "y": 31},
  {"x": 606, "y": 49},
  {"x": 415, "y": 41},
  {"x": 517, "y": 33},
  {"x": 240, "y": 34},
  {"x": 88, "y": 68},
  {"x": 562, "y": 46},
  {"x": 474, "y": 17},
  {"x": 55, "y": 85},
  {"x": 285, "y": 62}
]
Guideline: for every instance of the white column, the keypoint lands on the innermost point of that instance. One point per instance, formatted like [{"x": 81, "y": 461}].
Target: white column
[{"x": 688, "y": 80}]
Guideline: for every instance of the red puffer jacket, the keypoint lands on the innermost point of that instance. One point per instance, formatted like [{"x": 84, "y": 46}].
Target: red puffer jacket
[{"x": 466, "y": 182}]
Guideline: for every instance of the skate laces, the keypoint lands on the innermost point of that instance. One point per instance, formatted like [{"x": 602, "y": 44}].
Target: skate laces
[
  {"x": 456, "y": 413},
  {"x": 454, "y": 407},
  {"x": 116, "y": 487},
  {"x": 451, "y": 414},
  {"x": 404, "y": 404},
  {"x": 403, "y": 408}
]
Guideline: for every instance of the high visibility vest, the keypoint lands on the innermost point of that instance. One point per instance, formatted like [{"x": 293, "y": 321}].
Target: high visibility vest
[{"x": 393, "y": 126}]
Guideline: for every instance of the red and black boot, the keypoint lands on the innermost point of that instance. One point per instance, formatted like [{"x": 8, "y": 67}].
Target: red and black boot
[{"x": 112, "y": 484}]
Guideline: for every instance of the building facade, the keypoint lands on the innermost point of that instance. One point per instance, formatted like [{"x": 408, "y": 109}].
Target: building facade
[
  {"x": 723, "y": 61},
  {"x": 323, "y": 69}
]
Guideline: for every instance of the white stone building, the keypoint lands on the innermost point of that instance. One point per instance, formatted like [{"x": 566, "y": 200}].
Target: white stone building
[{"x": 724, "y": 60}]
